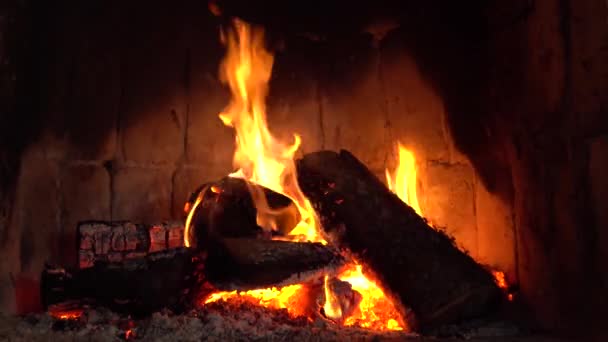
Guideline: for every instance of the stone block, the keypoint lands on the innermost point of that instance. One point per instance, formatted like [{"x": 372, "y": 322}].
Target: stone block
[
  {"x": 85, "y": 193},
  {"x": 34, "y": 234},
  {"x": 293, "y": 101},
  {"x": 142, "y": 194},
  {"x": 153, "y": 122},
  {"x": 495, "y": 232},
  {"x": 448, "y": 201},
  {"x": 353, "y": 108},
  {"x": 589, "y": 39},
  {"x": 598, "y": 183},
  {"x": 94, "y": 80},
  {"x": 209, "y": 141},
  {"x": 415, "y": 112}
]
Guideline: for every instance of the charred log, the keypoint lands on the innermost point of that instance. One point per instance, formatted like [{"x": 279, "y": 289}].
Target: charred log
[
  {"x": 419, "y": 265},
  {"x": 226, "y": 208},
  {"x": 239, "y": 263},
  {"x": 168, "y": 279},
  {"x": 175, "y": 278}
]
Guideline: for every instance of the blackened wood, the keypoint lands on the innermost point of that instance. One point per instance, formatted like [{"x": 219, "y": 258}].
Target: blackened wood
[
  {"x": 168, "y": 279},
  {"x": 420, "y": 266},
  {"x": 227, "y": 209},
  {"x": 115, "y": 241},
  {"x": 175, "y": 278},
  {"x": 242, "y": 263}
]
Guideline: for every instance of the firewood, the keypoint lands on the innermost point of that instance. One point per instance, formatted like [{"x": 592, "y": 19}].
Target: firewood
[
  {"x": 227, "y": 209},
  {"x": 419, "y": 265},
  {"x": 168, "y": 279},
  {"x": 241, "y": 263},
  {"x": 174, "y": 278}
]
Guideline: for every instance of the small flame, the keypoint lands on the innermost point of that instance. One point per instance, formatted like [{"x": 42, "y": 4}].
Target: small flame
[
  {"x": 403, "y": 180},
  {"x": 332, "y": 305},
  {"x": 501, "y": 282},
  {"x": 187, "y": 227},
  {"x": 376, "y": 310}
]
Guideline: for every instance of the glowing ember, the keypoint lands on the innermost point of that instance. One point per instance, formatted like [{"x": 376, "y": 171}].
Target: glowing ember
[
  {"x": 67, "y": 314},
  {"x": 275, "y": 298},
  {"x": 403, "y": 180},
  {"x": 376, "y": 310},
  {"x": 501, "y": 281},
  {"x": 261, "y": 158},
  {"x": 332, "y": 306}
]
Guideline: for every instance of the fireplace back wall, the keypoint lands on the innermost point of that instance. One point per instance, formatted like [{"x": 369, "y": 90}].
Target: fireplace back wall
[{"x": 121, "y": 109}]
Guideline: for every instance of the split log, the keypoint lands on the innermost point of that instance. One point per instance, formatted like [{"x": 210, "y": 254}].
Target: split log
[
  {"x": 419, "y": 265},
  {"x": 168, "y": 279},
  {"x": 226, "y": 209},
  {"x": 115, "y": 241},
  {"x": 175, "y": 278},
  {"x": 243, "y": 264}
]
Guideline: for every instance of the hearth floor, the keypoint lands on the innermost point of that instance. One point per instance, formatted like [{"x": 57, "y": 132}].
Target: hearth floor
[{"x": 226, "y": 322}]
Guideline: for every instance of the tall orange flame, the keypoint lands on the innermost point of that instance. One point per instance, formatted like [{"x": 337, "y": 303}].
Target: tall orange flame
[
  {"x": 402, "y": 181},
  {"x": 259, "y": 156}
]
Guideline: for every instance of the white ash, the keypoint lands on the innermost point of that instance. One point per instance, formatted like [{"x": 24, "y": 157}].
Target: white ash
[{"x": 218, "y": 321}]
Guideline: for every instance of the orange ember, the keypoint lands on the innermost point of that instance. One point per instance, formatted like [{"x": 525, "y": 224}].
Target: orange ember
[
  {"x": 501, "y": 281},
  {"x": 263, "y": 159},
  {"x": 376, "y": 310},
  {"x": 275, "y": 298},
  {"x": 67, "y": 314},
  {"x": 402, "y": 181}
]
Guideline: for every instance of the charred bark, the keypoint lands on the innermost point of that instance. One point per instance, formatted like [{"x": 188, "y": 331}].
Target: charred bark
[
  {"x": 175, "y": 278},
  {"x": 418, "y": 264},
  {"x": 226, "y": 208}
]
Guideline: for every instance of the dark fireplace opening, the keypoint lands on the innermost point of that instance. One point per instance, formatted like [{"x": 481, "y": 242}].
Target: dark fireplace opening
[{"x": 110, "y": 123}]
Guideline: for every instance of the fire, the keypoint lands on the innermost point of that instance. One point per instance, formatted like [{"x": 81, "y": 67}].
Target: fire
[
  {"x": 332, "y": 306},
  {"x": 261, "y": 158},
  {"x": 501, "y": 282},
  {"x": 403, "y": 180},
  {"x": 376, "y": 310},
  {"x": 67, "y": 314},
  {"x": 275, "y": 298}
]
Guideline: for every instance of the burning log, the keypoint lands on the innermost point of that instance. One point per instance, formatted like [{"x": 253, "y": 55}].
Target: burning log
[
  {"x": 226, "y": 208},
  {"x": 136, "y": 285},
  {"x": 419, "y": 265},
  {"x": 245, "y": 264},
  {"x": 176, "y": 277}
]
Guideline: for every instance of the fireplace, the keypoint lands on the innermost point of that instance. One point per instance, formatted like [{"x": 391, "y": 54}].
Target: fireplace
[{"x": 110, "y": 114}]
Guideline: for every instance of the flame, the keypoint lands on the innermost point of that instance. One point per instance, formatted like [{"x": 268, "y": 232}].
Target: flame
[
  {"x": 403, "y": 180},
  {"x": 376, "y": 310},
  {"x": 332, "y": 306},
  {"x": 275, "y": 298},
  {"x": 262, "y": 159},
  {"x": 501, "y": 282},
  {"x": 66, "y": 314},
  {"x": 259, "y": 156}
]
